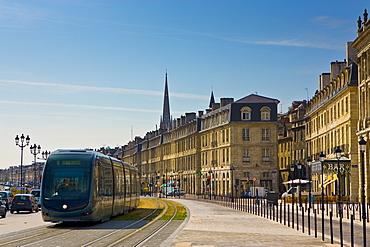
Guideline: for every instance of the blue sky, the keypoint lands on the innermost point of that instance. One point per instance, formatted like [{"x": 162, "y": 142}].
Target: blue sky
[{"x": 86, "y": 74}]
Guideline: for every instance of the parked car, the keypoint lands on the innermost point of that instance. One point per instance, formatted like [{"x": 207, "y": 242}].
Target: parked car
[
  {"x": 176, "y": 192},
  {"x": 36, "y": 193},
  {"x": 3, "y": 210},
  {"x": 290, "y": 192},
  {"x": 6, "y": 198},
  {"x": 24, "y": 202}
]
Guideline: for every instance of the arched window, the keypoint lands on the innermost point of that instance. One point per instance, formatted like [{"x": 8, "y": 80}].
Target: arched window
[
  {"x": 265, "y": 113},
  {"x": 246, "y": 113}
]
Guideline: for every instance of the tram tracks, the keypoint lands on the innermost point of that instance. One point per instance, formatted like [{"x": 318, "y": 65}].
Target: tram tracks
[{"x": 127, "y": 231}]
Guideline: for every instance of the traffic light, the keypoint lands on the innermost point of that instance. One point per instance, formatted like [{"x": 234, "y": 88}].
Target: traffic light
[{"x": 208, "y": 180}]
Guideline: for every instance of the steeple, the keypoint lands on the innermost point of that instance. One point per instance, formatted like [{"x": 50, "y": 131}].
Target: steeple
[
  {"x": 166, "y": 117},
  {"x": 212, "y": 101}
]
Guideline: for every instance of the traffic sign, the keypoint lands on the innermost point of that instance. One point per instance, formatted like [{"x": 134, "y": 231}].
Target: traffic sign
[{"x": 254, "y": 179}]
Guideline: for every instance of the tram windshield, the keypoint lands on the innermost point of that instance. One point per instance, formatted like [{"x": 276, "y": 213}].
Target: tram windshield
[{"x": 67, "y": 177}]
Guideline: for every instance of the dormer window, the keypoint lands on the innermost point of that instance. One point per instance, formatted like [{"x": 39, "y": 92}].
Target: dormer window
[
  {"x": 246, "y": 113},
  {"x": 265, "y": 113}
]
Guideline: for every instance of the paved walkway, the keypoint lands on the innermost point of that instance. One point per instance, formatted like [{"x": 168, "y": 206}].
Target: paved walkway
[{"x": 211, "y": 225}]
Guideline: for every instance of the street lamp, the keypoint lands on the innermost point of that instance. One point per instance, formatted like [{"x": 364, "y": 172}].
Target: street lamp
[
  {"x": 299, "y": 166},
  {"x": 45, "y": 154},
  {"x": 22, "y": 144},
  {"x": 309, "y": 160},
  {"x": 321, "y": 158},
  {"x": 362, "y": 147},
  {"x": 35, "y": 150},
  {"x": 232, "y": 169},
  {"x": 210, "y": 184},
  {"x": 338, "y": 154},
  {"x": 292, "y": 178}
]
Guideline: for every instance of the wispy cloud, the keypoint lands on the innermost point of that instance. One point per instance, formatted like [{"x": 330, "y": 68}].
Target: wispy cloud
[
  {"x": 78, "y": 106},
  {"x": 329, "y": 21},
  {"x": 93, "y": 107},
  {"x": 105, "y": 89}
]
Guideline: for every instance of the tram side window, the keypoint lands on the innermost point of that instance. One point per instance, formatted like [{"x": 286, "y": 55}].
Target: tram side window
[
  {"x": 128, "y": 182},
  {"x": 106, "y": 179}
]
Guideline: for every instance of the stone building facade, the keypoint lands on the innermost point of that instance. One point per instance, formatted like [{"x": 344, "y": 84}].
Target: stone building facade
[
  {"x": 362, "y": 44},
  {"x": 331, "y": 122},
  {"x": 220, "y": 150}
]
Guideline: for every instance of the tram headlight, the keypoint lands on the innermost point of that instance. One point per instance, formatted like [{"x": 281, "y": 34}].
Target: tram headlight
[{"x": 65, "y": 206}]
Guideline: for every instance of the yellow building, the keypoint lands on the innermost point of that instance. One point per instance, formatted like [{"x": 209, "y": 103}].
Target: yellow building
[
  {"x": 219, "y": 151},
  {"x": 331, "y": 122},
  {"x": 362, "y": 44}
]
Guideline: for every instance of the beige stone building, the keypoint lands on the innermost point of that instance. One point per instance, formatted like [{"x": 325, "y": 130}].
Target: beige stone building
[
  {"x": 331, "y": 122},
  {"x": 221, "y": 150},
  {"x": 362, "y": 44}
]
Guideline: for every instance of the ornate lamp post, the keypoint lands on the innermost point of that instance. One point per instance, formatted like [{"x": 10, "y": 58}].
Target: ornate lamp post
[
  {"x": 362, "y": 147},
  {"x": 210, "y": 184},
  {"x": 292, "y": 178},
  {"x": 309, "y": 160},
  {"x": 22, "y": 144},
  {"x": 35, "y": 150},
  {"x": 299, "y": 167},
  {"x": 45, "y": 154},
  {"x": 321, "y": 158},
  {"x": 338, "y": 154},
  {"x": 232, "y": 169}
]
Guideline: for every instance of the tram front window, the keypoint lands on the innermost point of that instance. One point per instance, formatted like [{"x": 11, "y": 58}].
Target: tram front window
[{"x": 67, "y": 177}]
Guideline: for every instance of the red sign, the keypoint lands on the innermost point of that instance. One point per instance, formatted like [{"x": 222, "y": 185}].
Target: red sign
[{"x": 254, "y": 179}]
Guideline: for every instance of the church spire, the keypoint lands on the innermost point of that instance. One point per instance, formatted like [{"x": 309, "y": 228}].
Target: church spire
[
  {"x": 212, "y": 101},
  {"x": 166, "y": 119}
]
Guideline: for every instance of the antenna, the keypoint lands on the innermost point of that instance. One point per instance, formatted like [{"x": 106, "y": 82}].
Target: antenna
[
  {"x": 306, "y": 92},
  {"x": 132, "y": 132}
]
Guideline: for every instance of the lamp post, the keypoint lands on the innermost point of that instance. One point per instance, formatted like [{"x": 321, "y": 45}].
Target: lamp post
[
  {"x": 338, "y": 154},
  {"x": 362, "y": 147},
  {"x": 321, "y": 158},
  {"x": 45, "y": 154},
  {"x": 22, "y": 144},
  {"x": 232, "y": 169},
  {"x": 210, "y": 184},
  {"x": 35, "y": 150},
  {"x": 299, "y": 166},
  {"x": 309, "y": 160},
  {"x": 292, "y": 178}
]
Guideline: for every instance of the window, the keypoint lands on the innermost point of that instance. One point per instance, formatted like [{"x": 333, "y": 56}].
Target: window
[
  {"x": 246, "y": 155},
  {"x": 265, "y": 154},
  {"x": 246, "y": 174},
  {"x": 246, "y": 113},
  {"x": 266, "y": 174},
  {"x": 265, "y": 113},
  {"x": 265, "y": 134},
  {"x": 245, "y": 135}
]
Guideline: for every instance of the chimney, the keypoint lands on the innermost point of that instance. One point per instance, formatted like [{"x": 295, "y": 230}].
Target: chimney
[
  {"x": 200, "y": 113},
  {"x": 226, "y": 101},
  {"x": 215, "y": 106},
  {"x": 190, "y": 116}
]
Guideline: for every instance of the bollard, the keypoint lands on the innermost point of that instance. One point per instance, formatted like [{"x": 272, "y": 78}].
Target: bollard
[
  {"x": 331, "y": 228},
  {"x": 315, "y": 221}
]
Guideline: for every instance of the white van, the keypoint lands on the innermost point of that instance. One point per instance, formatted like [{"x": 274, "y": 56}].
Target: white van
[{"x": 36, "y": 193}]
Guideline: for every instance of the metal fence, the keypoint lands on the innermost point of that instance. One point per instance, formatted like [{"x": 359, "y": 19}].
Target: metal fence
[{"x": 332, "y": 222}]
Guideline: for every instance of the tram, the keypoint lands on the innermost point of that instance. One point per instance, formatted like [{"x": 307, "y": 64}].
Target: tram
[{"x": 87, "y": 186}]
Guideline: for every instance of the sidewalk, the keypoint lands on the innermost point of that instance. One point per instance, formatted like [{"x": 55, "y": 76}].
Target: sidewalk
[{"x": 213, "y": 225}]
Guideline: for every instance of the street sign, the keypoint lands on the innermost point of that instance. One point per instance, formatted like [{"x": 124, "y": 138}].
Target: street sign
[{"x": 254, "y": 179}]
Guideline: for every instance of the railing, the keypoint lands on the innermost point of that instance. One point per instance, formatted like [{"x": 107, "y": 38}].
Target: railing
[{"x": 337, "y": 224}]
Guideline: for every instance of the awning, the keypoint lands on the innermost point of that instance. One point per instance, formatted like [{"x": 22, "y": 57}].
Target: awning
[
  {"x": 297, "y": 181},
  {"x": 327, "y": 182}
]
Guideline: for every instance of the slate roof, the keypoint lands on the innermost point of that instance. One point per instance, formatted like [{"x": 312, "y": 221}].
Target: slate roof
[{"x": 254, "y": 98}]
